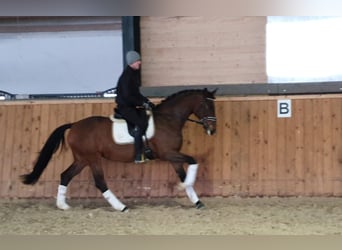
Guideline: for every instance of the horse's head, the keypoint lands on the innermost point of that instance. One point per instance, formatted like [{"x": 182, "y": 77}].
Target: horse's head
[{"x": 205, "y": 111}]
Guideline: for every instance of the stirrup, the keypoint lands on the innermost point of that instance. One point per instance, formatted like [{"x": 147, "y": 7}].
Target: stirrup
[
  {"x": 149, "y": 153},
  {"x": 140, "y": 159}
]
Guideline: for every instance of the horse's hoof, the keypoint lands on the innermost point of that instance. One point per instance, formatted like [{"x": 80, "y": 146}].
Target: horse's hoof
[
  {"x": 199, "y": 205},
  {"x": 63, "y": 206},
  {"x": 125, "y": 210}
]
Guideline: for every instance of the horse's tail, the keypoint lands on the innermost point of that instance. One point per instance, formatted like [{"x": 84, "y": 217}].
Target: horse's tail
[{"x": 51, "y": 146}]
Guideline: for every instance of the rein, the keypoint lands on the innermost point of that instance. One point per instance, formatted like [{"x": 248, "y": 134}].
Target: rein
[{"x": 201, "y": 122}]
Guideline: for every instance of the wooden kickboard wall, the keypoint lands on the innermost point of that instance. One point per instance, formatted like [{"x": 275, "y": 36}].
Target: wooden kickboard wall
[{"x": 254, "y": 153}]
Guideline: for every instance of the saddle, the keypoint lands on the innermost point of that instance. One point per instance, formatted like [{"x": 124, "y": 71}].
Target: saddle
[{"x": 122, "y": 131}]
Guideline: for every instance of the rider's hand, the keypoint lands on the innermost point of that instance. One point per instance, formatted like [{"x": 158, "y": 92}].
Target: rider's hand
[
  {"x": 151, "y": 104},
  {"x": 148, "y": 105}
]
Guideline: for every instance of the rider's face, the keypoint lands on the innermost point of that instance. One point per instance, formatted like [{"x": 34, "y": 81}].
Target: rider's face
[{"x": 136, "y": 65}]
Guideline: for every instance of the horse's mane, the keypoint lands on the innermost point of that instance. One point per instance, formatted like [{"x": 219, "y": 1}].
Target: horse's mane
[{"x": 181, "y": 93}]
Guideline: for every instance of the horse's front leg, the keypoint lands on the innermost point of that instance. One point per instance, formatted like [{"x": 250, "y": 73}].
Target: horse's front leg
[{"x": 188, "y": 180}]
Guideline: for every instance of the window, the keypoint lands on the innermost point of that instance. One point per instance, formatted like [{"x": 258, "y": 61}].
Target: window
[
  {"x": 303, "y": 49},
  {"x": 58, "y": 55}
]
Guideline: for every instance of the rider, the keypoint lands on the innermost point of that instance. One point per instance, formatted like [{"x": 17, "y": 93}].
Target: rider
[{"x": 131, "y": 104}]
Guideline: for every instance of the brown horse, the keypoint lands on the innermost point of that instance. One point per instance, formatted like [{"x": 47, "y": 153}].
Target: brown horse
[{"x": 91, "y": 139}]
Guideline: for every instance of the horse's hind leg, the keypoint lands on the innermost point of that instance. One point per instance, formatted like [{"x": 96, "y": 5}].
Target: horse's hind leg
[
  {"x": 73, "y": 170},
  {"x": 100, "y": 183}
]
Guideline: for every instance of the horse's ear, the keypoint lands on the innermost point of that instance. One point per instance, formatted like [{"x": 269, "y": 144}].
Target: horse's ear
[
  {"x": 211, "y": 92},
  {"x": 214, "y": 91}
]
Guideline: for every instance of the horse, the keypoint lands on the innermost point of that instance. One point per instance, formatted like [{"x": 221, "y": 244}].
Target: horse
[{"x": 90, "y": 139}]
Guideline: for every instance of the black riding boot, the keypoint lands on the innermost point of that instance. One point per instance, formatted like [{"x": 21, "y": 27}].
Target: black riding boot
[{"x": 138, "y": 146}]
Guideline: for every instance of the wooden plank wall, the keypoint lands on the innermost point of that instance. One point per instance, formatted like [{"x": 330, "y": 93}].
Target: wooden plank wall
[
  {"x": 203, "y": 50},
  {"x": 254, "y": 153}
]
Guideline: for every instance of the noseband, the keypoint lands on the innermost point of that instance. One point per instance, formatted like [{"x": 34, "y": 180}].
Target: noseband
[{"x": 203, "y": 120}]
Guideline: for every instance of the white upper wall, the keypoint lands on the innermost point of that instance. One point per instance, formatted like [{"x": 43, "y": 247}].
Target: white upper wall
[{"x": 60, "y": 62}]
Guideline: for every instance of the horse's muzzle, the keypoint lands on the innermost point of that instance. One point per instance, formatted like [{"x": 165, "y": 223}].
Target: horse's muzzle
[
  {"x": 209, "y": 124},
  {"x": 211, "y": 131},
  {"x": 210, "y": 128}
]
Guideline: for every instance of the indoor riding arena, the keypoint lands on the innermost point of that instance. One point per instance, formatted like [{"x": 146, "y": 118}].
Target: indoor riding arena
[{"x": 273, "y": 167}]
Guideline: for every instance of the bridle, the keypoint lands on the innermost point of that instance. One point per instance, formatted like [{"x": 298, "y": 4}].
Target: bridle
[{"x": 203, "y": 120}]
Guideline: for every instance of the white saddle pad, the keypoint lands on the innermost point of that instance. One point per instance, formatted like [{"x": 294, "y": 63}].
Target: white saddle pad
[{"x": 120, "y": 130}]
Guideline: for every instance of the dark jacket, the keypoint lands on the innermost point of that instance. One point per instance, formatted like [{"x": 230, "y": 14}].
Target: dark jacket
[{"x": 128, "y": 89}]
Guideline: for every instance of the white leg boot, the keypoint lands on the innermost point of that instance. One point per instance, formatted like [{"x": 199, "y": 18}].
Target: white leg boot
[
  {"x": 191, "y": 194},
  {"x": 190, "y": 178},
  {"x": 61, "y": 196},
  {"x": 113, "y": 201},
  {"x": 193, "y": 197}
]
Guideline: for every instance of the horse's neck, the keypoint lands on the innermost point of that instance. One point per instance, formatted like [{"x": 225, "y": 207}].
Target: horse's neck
[{"x": 178, "y": 111}]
